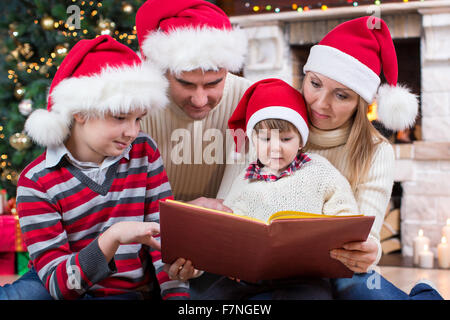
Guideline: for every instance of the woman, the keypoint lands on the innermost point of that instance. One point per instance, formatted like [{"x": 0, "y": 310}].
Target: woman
[{"x": 342, "y": 79}]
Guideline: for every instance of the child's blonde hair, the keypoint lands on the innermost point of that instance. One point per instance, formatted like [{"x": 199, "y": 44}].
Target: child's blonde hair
[{"x": 277, "y": 124}]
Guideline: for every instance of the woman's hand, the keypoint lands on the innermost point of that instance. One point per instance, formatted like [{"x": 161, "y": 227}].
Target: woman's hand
[
  {"x": 181, "y": 269},
  {"x": 357, "y": 256}
]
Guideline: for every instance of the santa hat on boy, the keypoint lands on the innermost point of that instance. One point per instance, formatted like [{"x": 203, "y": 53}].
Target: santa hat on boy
[
  {"x": 269, "y": 99},
  {"x": 97, "y": 76},
  {"x": 353, "y": 53},
  {"x": 184, "y": 35}
]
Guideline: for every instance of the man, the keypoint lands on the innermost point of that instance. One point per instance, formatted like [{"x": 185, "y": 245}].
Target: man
[{"x": 193, "y": 42}]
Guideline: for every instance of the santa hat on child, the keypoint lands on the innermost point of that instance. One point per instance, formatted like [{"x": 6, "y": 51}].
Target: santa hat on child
[
  {"x": 353, "y": 53},
  {"x": 184, "y": 35},
  {"x": 269, "y": 99},
  {"x": 97, "y": 76}
]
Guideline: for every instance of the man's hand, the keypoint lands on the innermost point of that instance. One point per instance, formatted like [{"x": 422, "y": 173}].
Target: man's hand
[{"x": 210, "y": 203}]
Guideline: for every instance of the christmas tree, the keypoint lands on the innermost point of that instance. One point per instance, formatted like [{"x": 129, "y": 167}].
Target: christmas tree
[{"x": 35, "y": 36}]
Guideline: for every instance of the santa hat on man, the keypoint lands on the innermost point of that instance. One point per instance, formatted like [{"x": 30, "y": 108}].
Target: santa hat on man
[
  {"x": 97, "y": 76},
  {"x": 353, "y": 53},
  {"x": 184, "y": 35},
  {"x": 269, "y": 99}
]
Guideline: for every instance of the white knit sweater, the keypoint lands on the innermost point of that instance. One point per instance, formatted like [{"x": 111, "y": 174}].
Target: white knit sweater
[
  {"x": 316, "y": 187},
  {"x": 195, "y": 178},
  {"x": 372, "y": 194}
]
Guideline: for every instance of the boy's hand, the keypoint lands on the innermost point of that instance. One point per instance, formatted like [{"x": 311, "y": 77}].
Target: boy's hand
[{"x": 136, "y": 231}]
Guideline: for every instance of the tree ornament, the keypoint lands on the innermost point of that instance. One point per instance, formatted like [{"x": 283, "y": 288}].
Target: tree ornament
[
  {"x": 127, "y": 8},
  {"x": 25, "y": 50},
  {"x": 13, "y": 30},
  {"x": 61, "y": 50},
  {"x": 106, "y": 26},
  {"x": 20, "y": 141},
  {"x": 9, "y": 175},
  {"x": 25, "y": 107},
  {"x": 47, "y": 23},
  {"x": 19, "y": 91}
]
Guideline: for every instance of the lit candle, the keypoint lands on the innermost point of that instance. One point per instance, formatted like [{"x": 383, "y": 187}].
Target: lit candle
[
  {"x": 419, "y": 243},
  {"x": 446, "y": 230},
  {"x": 426, "y": 258},
  {"x": 443, "y": 251}
]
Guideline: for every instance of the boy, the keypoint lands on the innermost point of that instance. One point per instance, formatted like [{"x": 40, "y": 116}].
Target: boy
[
  {"x": 88, "y": 206},
  {"x": 274, "y": 117}
]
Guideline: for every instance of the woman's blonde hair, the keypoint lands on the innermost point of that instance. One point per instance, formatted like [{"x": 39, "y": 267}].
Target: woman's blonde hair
[{"x": 361, "y": 144}]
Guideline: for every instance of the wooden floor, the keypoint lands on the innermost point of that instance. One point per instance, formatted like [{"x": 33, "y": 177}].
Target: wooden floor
[{"x": 401, "y": 276}]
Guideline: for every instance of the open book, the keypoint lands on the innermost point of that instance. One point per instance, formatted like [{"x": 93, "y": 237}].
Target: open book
[{"x": 290, "y": 244}]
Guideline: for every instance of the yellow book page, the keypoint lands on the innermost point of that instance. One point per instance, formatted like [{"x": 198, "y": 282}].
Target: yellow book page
[
  {"x": 302, "y": 215},
  {"x": 216, "y": 211},
  {"x": 280, "y": 215}
]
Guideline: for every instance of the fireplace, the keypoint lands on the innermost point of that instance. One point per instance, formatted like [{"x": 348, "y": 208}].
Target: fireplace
[{"x": 279, "y": 45}]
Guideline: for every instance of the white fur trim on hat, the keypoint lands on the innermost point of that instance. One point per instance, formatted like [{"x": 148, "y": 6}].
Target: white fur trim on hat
[
  {"x": 345, "y": 69},
  {"x": 187, "y": 49},
  {"x": 114, "y": 89},
  {"x": 48, "y": 128},
  {"x": 397, "y": 107},
  {"x": 279, "y": 112}
]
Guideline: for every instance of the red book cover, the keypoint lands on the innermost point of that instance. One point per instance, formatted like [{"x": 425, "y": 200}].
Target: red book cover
[{"x": 291, "y": 244}]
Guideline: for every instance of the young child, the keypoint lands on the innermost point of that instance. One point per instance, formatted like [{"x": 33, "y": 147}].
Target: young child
[
  {"x": 88, "y": 206},
  {"x": 274, "y": 117}
]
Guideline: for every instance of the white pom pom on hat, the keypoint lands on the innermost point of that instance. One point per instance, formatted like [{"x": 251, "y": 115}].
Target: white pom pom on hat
[{"x": 354, "y": 53}]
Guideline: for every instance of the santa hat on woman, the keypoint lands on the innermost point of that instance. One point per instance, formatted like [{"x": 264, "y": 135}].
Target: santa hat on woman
[
  {"x": 97, "y": 76},
  {"x": 184, "y": 35},
  {"x": 269, "y": 99},
  {"x": 353, "y": 53}
]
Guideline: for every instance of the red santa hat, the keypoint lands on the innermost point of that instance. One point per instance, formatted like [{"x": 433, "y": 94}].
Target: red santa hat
[
  {"x": 353, "y": 53},
  {"x": 184, "y": 35},
  {"x": 97, "y": 76},
  {"x": 269, "y": 99}
]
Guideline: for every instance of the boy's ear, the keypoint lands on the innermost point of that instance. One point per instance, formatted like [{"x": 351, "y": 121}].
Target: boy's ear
[{"x": 80, "y": 118}]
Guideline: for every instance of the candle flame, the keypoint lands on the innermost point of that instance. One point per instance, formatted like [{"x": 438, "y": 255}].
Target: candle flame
[
  {"x": 444, "y": 240},
  {"x": 420, "y": 233},
  {"x": 425, "y": 247},
  {"x": 448, "y": 222}
]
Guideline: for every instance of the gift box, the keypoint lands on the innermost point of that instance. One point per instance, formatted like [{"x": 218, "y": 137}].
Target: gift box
[
  {"x": 22, "y": 263},
  {"x": 8, "y": 225},
  {"x": 11, "y": 243}
]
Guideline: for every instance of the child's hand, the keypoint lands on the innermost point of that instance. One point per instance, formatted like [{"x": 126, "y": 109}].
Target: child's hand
[
  {"x": 135, "y": 231},
  {"x": 181, "y": 269},
  {"x": 125, "y": 232}
]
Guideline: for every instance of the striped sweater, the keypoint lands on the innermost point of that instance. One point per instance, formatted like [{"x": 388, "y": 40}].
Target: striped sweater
[{"x": 62, "y": 212}]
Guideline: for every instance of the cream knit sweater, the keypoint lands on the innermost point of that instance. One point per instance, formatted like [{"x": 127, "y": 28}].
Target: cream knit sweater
[
  {"x": 316, "y": 187},
  {"x": 185, "y": 144},
  {"x": 372, "y": 194}
]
